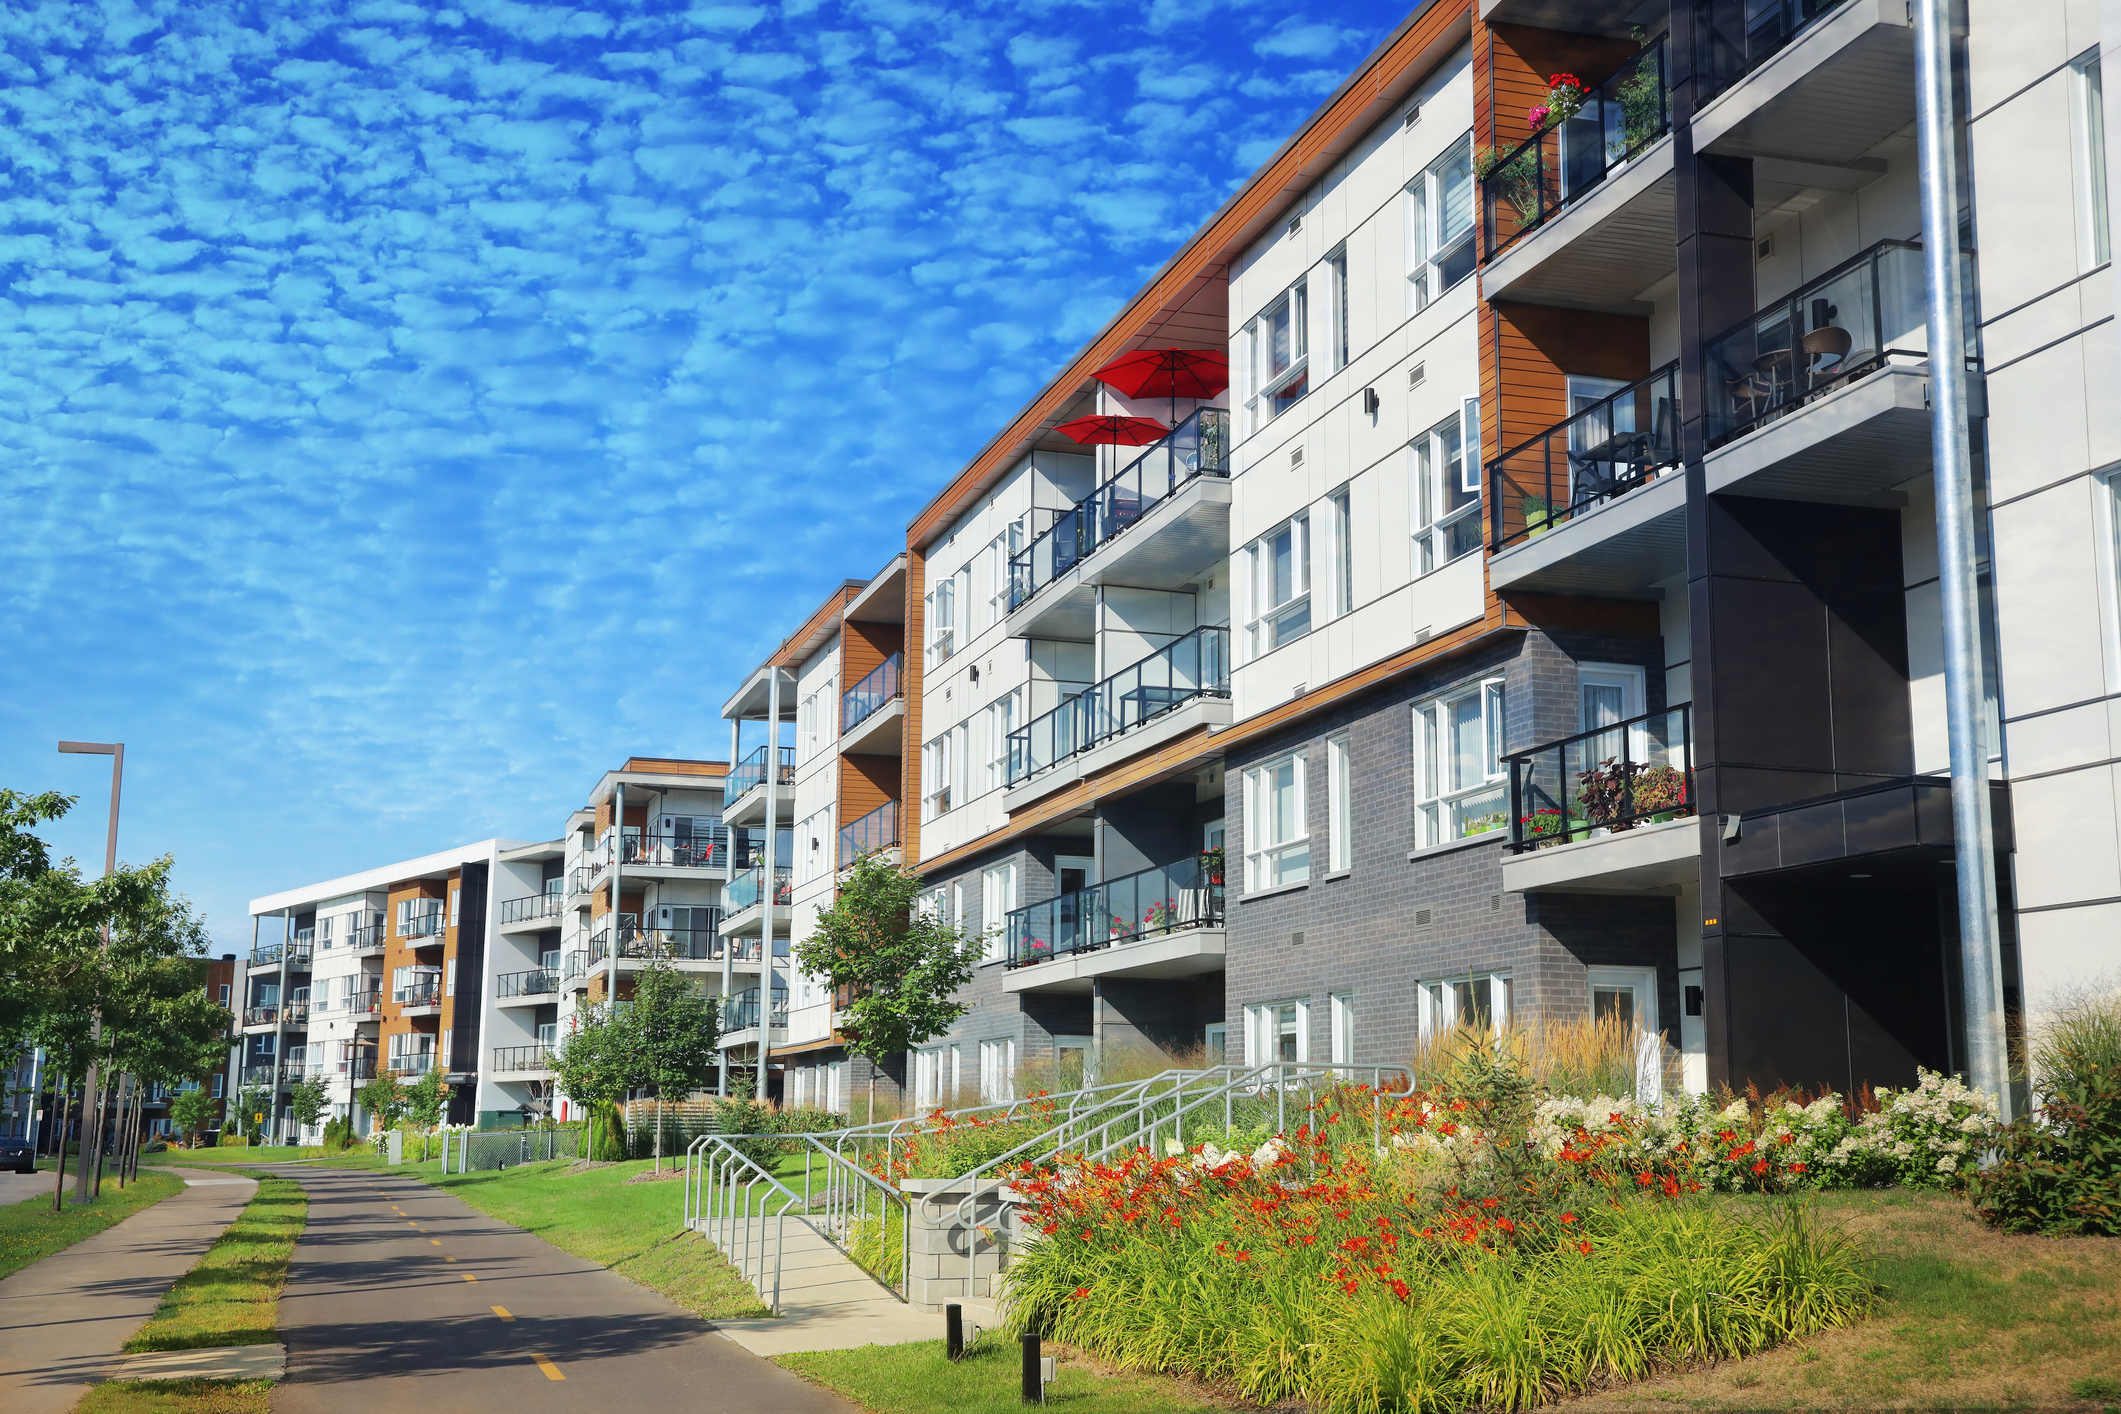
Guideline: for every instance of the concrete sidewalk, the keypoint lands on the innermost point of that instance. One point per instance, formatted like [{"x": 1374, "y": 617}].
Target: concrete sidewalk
[{"x": 62, "y": 1320}]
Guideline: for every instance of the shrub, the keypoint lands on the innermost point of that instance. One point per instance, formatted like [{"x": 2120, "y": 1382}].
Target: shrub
[
  {"x": 807, "y": 1120},
  {"x": 2058, "y": 1170}
]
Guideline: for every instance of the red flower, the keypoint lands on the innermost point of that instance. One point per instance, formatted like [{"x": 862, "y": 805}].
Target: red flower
[
  {"x": 1080, "y": 1293},
  {"x": 1400, "y": 1289},
  {"x": 1242, "y": 1256},
  {"x": 1568, "y": 1217},
  {"x": 1584, "y": 1247},
  {"x": 1760, "y": 1166},
  {"x": 1796, "y": 1168}
]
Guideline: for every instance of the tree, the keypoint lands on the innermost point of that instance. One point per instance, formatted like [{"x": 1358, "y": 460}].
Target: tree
[
  {"x": 384, "y": 1099},
  {"x": 902, "y": 965},
  {"x": 672, "y": 1029},
  {"x": 191, "y": 1109},
  {"x": 253, "y": 1111},
  {"x": 425, "y": 1101},
  {"x": 308, "y": 1101},
  {"x": 592, "y": 1064}
]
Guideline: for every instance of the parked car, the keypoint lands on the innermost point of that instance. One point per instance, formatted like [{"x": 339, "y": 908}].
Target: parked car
[{"x": 18, "y": 1154}]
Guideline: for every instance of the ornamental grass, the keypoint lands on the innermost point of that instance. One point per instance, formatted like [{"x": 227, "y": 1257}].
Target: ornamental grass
[{"x": 1461, "y": 1264}]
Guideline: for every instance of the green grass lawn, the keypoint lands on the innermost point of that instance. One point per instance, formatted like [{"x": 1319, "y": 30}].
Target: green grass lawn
[
  {"x": 178, "y": 1397},
  {"x": 231, "y": 1154},
  {"x": 30, "y": 1231},
  {"x": 918, "y": 1379},
  {"x": 232, "y": 1296}
]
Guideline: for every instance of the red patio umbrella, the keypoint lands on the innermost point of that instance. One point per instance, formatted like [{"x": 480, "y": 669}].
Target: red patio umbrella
[
  {"x": 1170, "y": 373},
  {"x": 1110, "y": 429}
]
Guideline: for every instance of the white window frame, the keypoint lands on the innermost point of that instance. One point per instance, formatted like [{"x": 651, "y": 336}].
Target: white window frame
[
  {"x": 1441, "y": 1000},
  {"x": 1265, "y": 385},
  {"x": 941, "y": 610},
  {"x": 1431, "y": 245},
  {"x": 1342, "y": 1028},
  {"x": 997, "y": 1070},
  {"x": 1642, "y": 981},
  {"x": 1264, "y": 1028},
  {"x": 2088, "y": 131},
  {"x": 1442, "y": 808},
  {"x": 1446, "y": 465},
  {"x": 1633, "y": 683},
  {"x": 938, "y": 772},
  {"x": 1003, "y": 716},
  {"x": 1340, "y": 531},
  {"x": 1338, "y": 316},
  {"x": 1340, "y": 813},
  {"x": 998, "y": 894},
  {"x": 927, "y": 1078},
  {"x": 1269, "y": 623},
  {"x": 1269, "y": 857}
]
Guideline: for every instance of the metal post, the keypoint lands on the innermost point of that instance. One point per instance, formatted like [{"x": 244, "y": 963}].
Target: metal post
[
  {"x": 1034, "y": 1384},
  {"x": 954, "y": 1331},
  {"x": 92, "y": 1149},
  {"x": 1981, "y": 960},
  {"x": 764, "y": 1049}
]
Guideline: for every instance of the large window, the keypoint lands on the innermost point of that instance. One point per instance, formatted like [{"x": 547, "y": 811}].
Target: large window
[
  {"x": 1343, "y": 1027},
  {"x": 2089, "y": 120},
  {"x": 1342, "y": 505},
  {"x": 939, "y": 764},
  {"x": 942, "y": 619},
  {"x": 1277, "y": 836},
  {"x": 1440, "y": 225},
  {"x": 997, "y": 895},
  {"x": 1277, "y": 1032},
  {"x": 813, "y": 720},
  {"x": 997, "y": 1071},
  {"x": 1277, "y": 354},
  {"x": 1447, "y": 490},
  {"x": 1459, "y": 780},
  {"x": 1278, "y": 586},
  {"x": 1000, "y": 551},
  {"x": 1340, "y": 812},
  {"x": 1479, "y": 1001},
  {"x": 1337, "y": 263},
  {"x": 1003, "y": 716}
]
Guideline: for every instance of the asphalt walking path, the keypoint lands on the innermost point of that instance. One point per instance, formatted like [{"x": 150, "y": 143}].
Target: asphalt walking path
[
  {"x": 402, "y": 1296},
  {"x": 62, "y": 1320}
]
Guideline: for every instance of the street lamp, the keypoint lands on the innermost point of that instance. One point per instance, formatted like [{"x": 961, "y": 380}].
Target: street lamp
[{"x": 91, "y": 1100}]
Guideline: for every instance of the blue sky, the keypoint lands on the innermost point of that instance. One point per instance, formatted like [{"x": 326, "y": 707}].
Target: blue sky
[{"x": 409, "y": 411}]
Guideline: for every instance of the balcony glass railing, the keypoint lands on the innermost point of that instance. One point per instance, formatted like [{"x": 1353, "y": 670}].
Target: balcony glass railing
[
  {"x": 1169, "y": 899},
  {"x": 1197, "y": 665},
  {"x": 413, "y": 1063},
  {"x": 419, "y": 994},
  {"x": 266, "y": 1073},
  {"x": 1859, "y": 317},
  {"x": 535, "y": 983},
  {"x": 1523, "y": 189},
  {"x": 290, "y": 953},
  {"x": 747, "y": 888},
  {"x": 674, "y": 944},
  {"x": 1638, "y": 771},
  {"x": 261, "y": 1015},
  {"x": 295, "y": 1013},
  {"x": 883, "y": 686},
  {"x": 751, "y": 772},
  {"x": 1730, "y": 41},
  {"x": 686, "y": 850},
  {"x": 1608, "y": 449},
  {"x": 742, "y": 1010},
  {"x": 1199, "y": 446},
  {"x": 874, "y": 831},
  {"x": 508, "y": 1059},
  {"x": 529, "y": 910}
]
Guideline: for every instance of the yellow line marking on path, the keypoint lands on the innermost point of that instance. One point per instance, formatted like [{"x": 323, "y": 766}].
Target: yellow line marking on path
[
  {"x": 502, "y": 1312},
  {"x": 449, "y": 1259},
  {"x": 552, "y": 1371},
  {"x": 434, "y": 1242},
  {"x": 467, "y": 1276}
]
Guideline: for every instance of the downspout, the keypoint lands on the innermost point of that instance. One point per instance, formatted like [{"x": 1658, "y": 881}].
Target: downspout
[{"x": 1981, "y": 957}]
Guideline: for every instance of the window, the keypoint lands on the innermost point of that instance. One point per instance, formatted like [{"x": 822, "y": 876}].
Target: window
[
  {"x": 1459, "y": 789},
  {"x": 807, "y": 719},
  {"x": 1342, "y": 588},
  {"x": 942, "y": 619},
  {"x": 2090, "y": 122},
  {"x": 1337, "y": 262},
  {"x": 1215, "y": 1039},
  {"x": 1343, "y": 1020},
  {"x": 957, "y": 905},
  {"x": 997, "y": 895},
  {"x": 997, "y": 1071},
  {"x": 928, "y": 1078},
  {"x": 1440, "y": 225},
  {"x": 1277, "y": 355},
  {"x": 224, "y": 994},
  {"x": 1608, "y": 693},
  {"x": 1447, "y": 490},
  {"x": 449, "y": 978},
  {"x": 324, "y": 932},
  {"x": 1340, "y": 816},
  {"x": 1279, "y": 576},
  {"x": 814, "y": 847},
  {"x": 1277, "y": 837},
  {"x": 1277, "y": 1032},
  {"x": 936, "y": 770},
  {"x": 1002, "y": 718},
  {"x": 454, "y": 895},
  {"x": 1000, "y": 551},
  {"x": 1479, "y": 1001},
  {"x": 220, "y": 1086}
]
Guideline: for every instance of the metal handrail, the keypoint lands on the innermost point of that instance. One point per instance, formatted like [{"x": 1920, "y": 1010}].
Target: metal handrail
[
  {"x": 727, "y": 1194},
  {"x": 531, "y": 906},
  {"x": 418, "y": 994},
  {"x": 1167, "y": 899},
  {"x": 707, "y": 850},
  {"x": 515, "y": 1058},
  {"x": 1193, "y": 666},
  {"x": 874, "y": 831},
  {"x": 750, "y": 773},
  {"x": 536, "y": 982},
  {"x": 748, "y": 888},
  {"x": 369, "y": 936},
  {"x": 1609, "y": 778},
  {"x": 261, "y": 1015},
  {"x": 882, "y": 686},
  {"x": 423, "y": 925},
  {"x": 1622, "y": 441}
]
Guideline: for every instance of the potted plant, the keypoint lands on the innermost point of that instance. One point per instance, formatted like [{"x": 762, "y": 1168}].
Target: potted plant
[{"x": 1538, "y": 515}]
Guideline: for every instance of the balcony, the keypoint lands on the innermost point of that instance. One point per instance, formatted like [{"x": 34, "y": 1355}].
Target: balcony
[
  {"x": 361, "y": 1006},
  {"x": 1824, "y": 394},
  {"x": 874, "y": 831},
  {"x": 519, "y": 1060},
  {"x": 261, "y": 1015},
  {"x": 294, "y": 1072},
  {"x": 670, "y": 944},
  {"x": 412, "y": 1063},
  {"x": 291, "y": 954},
  {"x": 1195, "y": 668},
  {"x": 1805, "y": 88},
  {"x": 358, "y": 1067},
  {"x": 747, "y": 889},
  {"x": 365, "y": 940},
  {"x": 873, "y": 711},
  {"x": 1587, "y": 813},
  {"x": 1581, "y": 212},
  {"x": 745, "y": 794},
  {"x": 295, "y": 1014},
  {"x": 267, "y": 1074},
  {"x": 741, "y": 1012},
  {"x": 420, "y": 999},
  {"x": 538, "y": 985},
  {"x": 423, "y": 929},
  {"x": 536, "y": 908},
  {"x": 1162, "y": 922},
  {"x": 678, "y": 849},
  {"x": 1177, "y": 492},
  {"x": 1593, "y": 505}
]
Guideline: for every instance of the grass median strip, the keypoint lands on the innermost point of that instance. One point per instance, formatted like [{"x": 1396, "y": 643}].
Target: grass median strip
[
  {"x": 30, "y": 1231},
  {"x": 232, "y": 1297},
  {"x": 178, "y": 1397},
  {"x": 919, "y": 1379}
]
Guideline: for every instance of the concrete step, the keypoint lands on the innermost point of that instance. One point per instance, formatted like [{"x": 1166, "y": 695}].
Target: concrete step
[{"x": 827, "y": 1302}]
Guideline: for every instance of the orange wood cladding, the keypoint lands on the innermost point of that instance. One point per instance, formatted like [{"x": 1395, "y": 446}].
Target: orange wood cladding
[
  {"x": 1528, "y": 354},
  {"x": 1573, "y": 611},
  {"x": 795, "y": 647},
  {"x": 866, "y": 782},
  {"x": 909, "y": 814},
  {"x": 673, "y": 766},
  {"x": 864, "y": 645},
  {"x": 1511, "y": 66}
]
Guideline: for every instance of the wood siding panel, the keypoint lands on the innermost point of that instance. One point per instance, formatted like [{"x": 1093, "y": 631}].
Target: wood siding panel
[{"x": 866, "y": 784}]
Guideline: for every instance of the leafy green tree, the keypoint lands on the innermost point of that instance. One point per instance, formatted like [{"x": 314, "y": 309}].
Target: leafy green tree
[
  {"x": 308, "y": 1101},
  {"x": 901, "y": 964},
  {"x": 384, "y": 1099},
  {"x": 191, "y": 1109},
  {"x": 672, "y": 1028},
  {"x": 594, "y": 1064},
  {"x": 425, "y": 1101},
  {"x": 253, "y": 1112}
]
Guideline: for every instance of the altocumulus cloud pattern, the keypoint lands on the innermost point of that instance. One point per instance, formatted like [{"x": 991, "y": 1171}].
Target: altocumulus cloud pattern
[{"x": 407, "y": 410}]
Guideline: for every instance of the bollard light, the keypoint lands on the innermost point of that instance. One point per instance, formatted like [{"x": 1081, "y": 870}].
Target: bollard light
[
  {"x": 954, "y": 1331},
  {"x": 1034, "y": 1371}
]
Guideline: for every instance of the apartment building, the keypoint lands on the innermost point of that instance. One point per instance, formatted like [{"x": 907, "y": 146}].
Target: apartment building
[{"x": 1546, "y": 622}]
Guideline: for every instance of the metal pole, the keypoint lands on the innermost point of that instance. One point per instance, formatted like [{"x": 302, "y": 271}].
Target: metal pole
[
  {"x": 91, "y": 1099},
  {"x": 764, "y": 1049},
  {"x": 1981, "y": 960}
]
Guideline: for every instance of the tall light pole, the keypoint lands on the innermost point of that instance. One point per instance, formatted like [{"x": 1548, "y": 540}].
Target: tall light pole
[{"x": 92, "y": 1146}]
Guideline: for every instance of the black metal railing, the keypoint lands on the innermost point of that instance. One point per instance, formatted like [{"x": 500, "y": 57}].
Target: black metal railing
[
  {"x": 534, "y": 983},
  {"x": 883, "y": 686},
  {"x": 360, "y": 1067},
  {"x": 684, "y": 849},
  {"x": 361, "y": 1004},
  {"x": 526, "y": 910},
  {"x": 515, "y": 1058},
  {"x": 412, "y": 1063},
  {"x": 295, "y": 1013},
  {"x": 1608, "y": 449},
  {"x": 1197, "y": 665},
  {"x": 742, "y": 1010},
  {"x": 1860, "y": 316},
  {"x": 261, "y": 1015},
  {"x": 267, "y": 1074},
  {"x": 1522, "y": 190},
  {"x": 673, "y": 944},
  {"x": 747, "y": 888},
  {"x": 751, "y": 772},
  {"x": 1634, "y": 772},
  {"x": 288, "y": 954},
  {"x": 1199, "y": 446},
  {"x": 874, "y": 831},
  {"x": 363, "y": 938},
  {"x": 1730, "y": 41},
  {"x": 419, "y": 994},
  {"x": 422, "y": 925},
  {"x": 1167, "y": 899}
]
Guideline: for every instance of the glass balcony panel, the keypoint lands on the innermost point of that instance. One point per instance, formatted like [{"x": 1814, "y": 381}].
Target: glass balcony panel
[
  {"x": 1197, "y": 665},
  {"x": 751, "y": 771},
  {"x": 882, "y": 687},
  {"x": 1169, "y": 898},
  {"x": 1606, "y": 450},
  {"x": 874, "y": 831}
]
